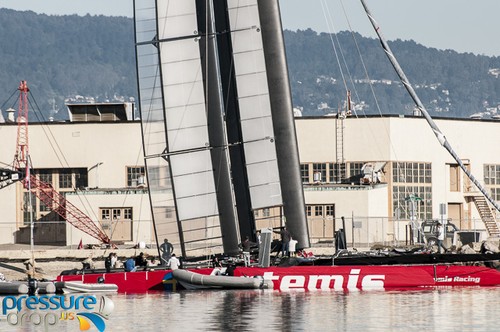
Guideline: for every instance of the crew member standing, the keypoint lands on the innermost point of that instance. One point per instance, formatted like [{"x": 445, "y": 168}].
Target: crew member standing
[{"x": 166, "y": 251}]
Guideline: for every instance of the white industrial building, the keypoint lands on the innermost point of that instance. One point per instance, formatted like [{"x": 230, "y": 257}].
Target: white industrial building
[
  {"x": 413, "y": 163},
  {"x": 363, "y": 169},
  {"x": 96, "y": 161}
]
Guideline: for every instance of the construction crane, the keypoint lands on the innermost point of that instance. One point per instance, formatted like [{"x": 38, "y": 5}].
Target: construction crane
[{"x": 44, "y": 191}]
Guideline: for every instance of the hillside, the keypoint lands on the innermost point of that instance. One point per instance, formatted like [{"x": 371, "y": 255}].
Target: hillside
[
  {"x": 63, "y": 57},
  {"x": 449, "y": 84}
]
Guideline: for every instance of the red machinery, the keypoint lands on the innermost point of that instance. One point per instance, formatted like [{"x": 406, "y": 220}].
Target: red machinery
[{"x": 44, "y": 191}]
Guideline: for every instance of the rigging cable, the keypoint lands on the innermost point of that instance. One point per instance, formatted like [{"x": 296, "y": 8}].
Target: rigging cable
[
  {"x": 437, "y": 132},
  {"x": 331, "y": 32},
  {"x": 58, "y": 151},
  {"x": 399, "y": 170},
  {"x": 371, "y": 86}
]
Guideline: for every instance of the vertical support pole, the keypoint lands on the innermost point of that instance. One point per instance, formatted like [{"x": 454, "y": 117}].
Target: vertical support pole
[{"x": 283, "y": 121}]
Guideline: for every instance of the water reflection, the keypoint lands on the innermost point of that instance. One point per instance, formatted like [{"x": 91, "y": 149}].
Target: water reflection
[{"x": 447, "y": 309}]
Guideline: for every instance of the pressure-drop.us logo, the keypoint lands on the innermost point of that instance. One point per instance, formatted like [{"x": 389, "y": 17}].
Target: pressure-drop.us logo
[{"x": 48, "y": 311}]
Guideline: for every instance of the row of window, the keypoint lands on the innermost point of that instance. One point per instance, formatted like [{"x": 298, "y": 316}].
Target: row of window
[
  {"x": 412, "y": 199},
  {"x": 78, "y": 177},
  {"x": 329, "y": 172},
  {"x": 403, "y": 172},
  {"x": 64, "y": 178},
  {"x": 320, "y": 210},
  {"x": 311, "y": 211},
  {"x": 492, "y": 174},
  {"x": 495, "y": 193},
  {"x": 116, "y": 214},
  {"x": 410, "y": 178}
]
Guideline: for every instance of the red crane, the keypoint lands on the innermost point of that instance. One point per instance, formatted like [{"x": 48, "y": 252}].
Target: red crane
[{"x": 44, "y": 191}]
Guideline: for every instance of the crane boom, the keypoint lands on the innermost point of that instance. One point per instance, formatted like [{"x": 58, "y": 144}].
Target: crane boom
[
  {"x": 50, "y": 197},
  {"x": 44, "y": 191}
]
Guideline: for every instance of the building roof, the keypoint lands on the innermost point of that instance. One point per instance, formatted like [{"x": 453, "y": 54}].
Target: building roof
[{"x": 100, "y": 112}]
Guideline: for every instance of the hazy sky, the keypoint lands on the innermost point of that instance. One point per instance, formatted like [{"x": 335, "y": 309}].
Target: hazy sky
[{"x": 462, "y": 25}]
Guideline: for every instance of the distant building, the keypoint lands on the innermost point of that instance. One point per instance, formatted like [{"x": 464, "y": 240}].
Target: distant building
[{"x": 96, "y": 161}]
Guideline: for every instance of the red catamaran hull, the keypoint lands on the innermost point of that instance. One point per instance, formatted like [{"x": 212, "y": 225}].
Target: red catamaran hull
[{"x": 312, "y": 278}]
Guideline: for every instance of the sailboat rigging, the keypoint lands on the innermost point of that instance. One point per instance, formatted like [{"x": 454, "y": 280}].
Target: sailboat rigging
[
  {"x": 216, "y": 106},
  {"x": 219, "y": 143},
  {"x": 437, "y": 132}
]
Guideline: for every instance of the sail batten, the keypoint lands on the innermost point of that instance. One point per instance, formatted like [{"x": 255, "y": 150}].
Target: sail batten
[{"x": 252, "y": 88}]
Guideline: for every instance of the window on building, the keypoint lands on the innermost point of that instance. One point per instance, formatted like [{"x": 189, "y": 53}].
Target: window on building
[
  {"x": 319, "y": 172},
  {"x": 492, "y": 180},
  {"x": 304, "y": 172},
  {"x": 117, "y": 214},
  {"x": 170, "y": 212},
  {"x": 495, "y": 193},
  {"x": 454, "y": 178},
  {"x": 309, "y": 210},
  {"x": 266, "y": 212},
  {"x": 69, "y": 177},
  {"x": 159, "y": 178},
  {"x": 65, "y": 179},
  {"x": 318, "y": 210},
  {"x": 29, "y": 210},
  {"x": 336, "y": 172},
  {"x": 44, "y": 175},
  {"x": 44, "y": 207},
  {"x": 135, "y": 175},
  {"x": 105, "y": 214},
  {"x": 330, "y": 210},
  {"x": 81, "y": 178},
  {"x": 428, "y": 174},
  {"x": 355, "y": 168},
  {"x": 412, "y": 179},
  {"x": 492, "y": 174},
  {"x": 127, "y": 213}
]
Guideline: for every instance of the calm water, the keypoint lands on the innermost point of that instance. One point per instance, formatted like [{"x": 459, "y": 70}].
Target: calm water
[{"x": 457, "y": 309}]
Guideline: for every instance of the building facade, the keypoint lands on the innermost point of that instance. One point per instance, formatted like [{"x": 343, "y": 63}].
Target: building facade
[
  {"x": 369, "y": 175},
  {"x": 412, "y": 175}
]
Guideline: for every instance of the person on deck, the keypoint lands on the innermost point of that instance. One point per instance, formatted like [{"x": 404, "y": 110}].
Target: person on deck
[
  {"x": 440, "y": 237},
  {"x": 173, "y": 262},
  {"x": 114, "y": 259},
  {"x": 285, "y": 242},
  {"x": 140, "y": 261},
  {"x": 246, "y": 245},
  {"x": 166, "y": 251},
  {"x": 108, "y": 262},
  {"x": 292, "y": 246},
  {"x": 130, "y": 265}
]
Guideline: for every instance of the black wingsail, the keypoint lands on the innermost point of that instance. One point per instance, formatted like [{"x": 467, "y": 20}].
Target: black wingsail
[{"x": 218, "y": 137}]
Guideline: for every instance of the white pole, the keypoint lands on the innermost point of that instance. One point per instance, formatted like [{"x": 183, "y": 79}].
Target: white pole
[{"x": 32, "y": 225}]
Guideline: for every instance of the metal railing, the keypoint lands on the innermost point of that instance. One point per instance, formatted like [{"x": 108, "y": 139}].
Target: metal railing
[{"x": 364, "y": 232}]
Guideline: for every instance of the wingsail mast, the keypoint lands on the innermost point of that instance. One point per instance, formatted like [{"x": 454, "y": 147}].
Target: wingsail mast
[
  {"x": 439, "y": 135},
  {"x": 283, "y": 121}
]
